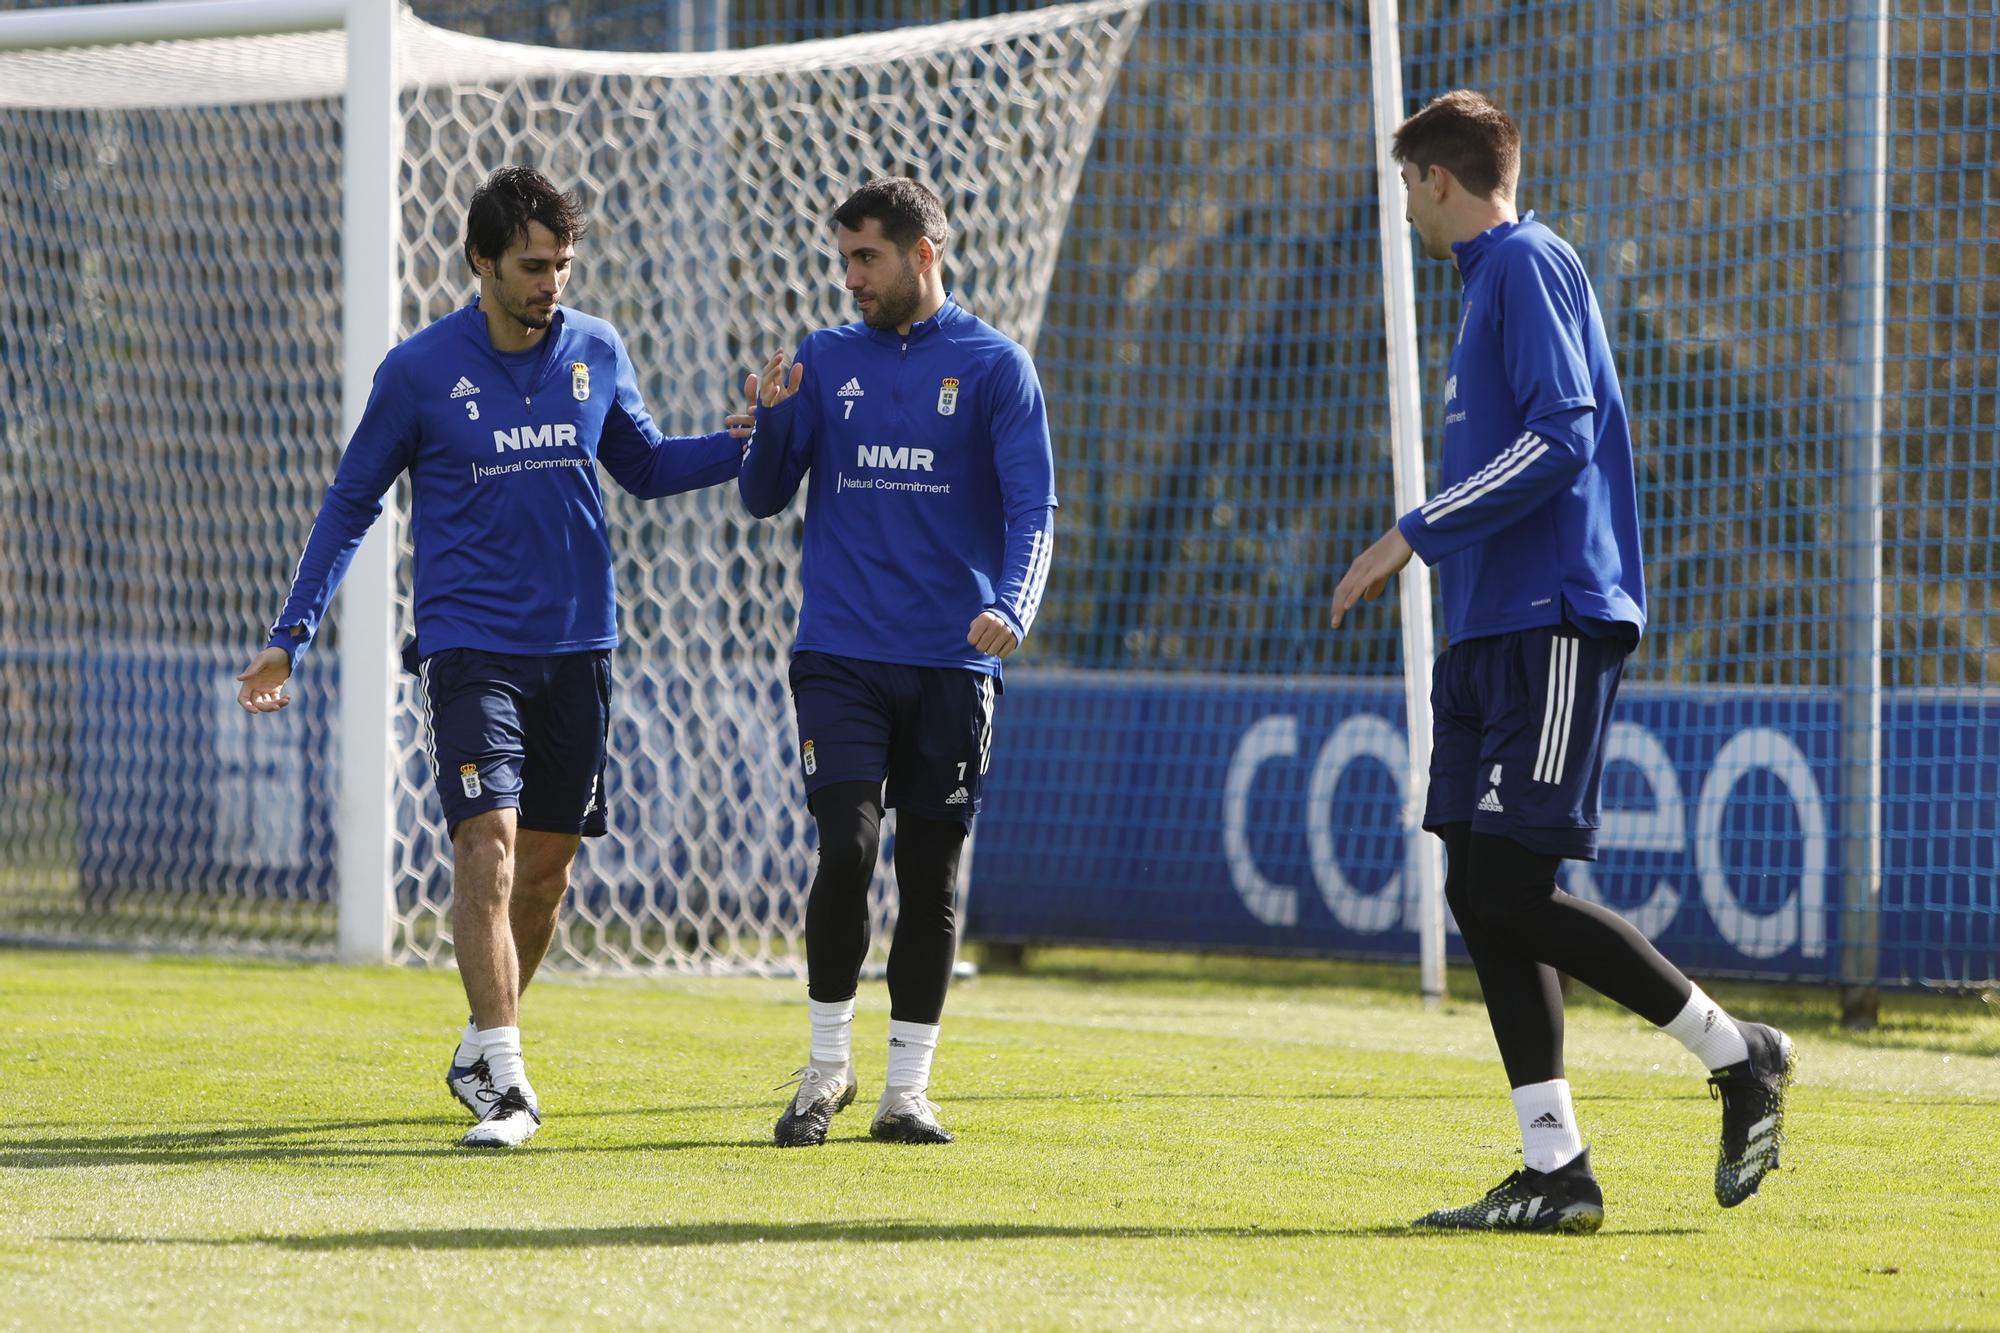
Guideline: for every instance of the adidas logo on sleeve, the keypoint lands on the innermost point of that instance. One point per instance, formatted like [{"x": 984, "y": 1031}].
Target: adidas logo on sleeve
[{"x": 851, "y": 389}]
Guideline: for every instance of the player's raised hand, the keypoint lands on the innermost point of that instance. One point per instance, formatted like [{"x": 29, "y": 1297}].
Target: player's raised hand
[
  {"x": 1371, "y": 572},
  {"x": 773, "y": 386},
  {"x": 990, "y": 635},
  {"x": 263, "y": 688}
]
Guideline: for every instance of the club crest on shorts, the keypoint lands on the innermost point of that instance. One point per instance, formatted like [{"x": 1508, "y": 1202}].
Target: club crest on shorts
[
  {"x": 579, "y": 380},
  {"x": 948, "y": 396},
  {"x": 812, "y": 761},
  {"x": 468, "y": 778}
]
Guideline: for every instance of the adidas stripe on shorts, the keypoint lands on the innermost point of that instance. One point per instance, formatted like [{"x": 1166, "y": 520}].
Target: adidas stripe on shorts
[{"x": 1518, "y": 728}]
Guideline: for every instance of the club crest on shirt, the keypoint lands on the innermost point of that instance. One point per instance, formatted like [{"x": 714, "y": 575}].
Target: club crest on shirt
[
  {"x": 812, "y": 762},
  {"x": 579, "y": 380},
  {"x": 948, "y": 396}
]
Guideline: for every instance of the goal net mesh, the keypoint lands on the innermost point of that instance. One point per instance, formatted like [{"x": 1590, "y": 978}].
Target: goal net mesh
[{"x": 171, "y": 415}]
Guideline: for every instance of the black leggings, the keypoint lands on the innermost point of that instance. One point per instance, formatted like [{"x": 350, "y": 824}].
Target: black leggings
[
  {"x": 849, "y": 815},
  {"x": 1521, "y": 930}
]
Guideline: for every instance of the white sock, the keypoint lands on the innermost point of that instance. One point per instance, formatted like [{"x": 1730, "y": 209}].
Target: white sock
[
  {"x": 468, "y": 1045},
  {"x": 1548, "y": 1124},
  {"x": 502, "y": 1049},
  {"x": 911, "y": 1046},
  {"x": 832, "y": 1034},
  {"x": 1704, "y": 1029}
]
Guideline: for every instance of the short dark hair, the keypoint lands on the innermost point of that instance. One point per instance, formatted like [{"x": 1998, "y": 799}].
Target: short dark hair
[
  {"x": 1466, "y": 135},
  {"x": 906, "y": 208},
  {"x": 507, "y": 201}
]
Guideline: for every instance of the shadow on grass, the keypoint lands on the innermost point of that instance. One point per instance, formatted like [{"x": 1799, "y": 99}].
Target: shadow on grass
[
  {"x": 330, "y": 1154},
  {"x": 333, "y": 1140},
  {"x": 873, "y": 1231},
  {"x": 1401, "y": 1231},
  {"x": 291, "y": 1141},
  {"x": 868, "y": 1231}
]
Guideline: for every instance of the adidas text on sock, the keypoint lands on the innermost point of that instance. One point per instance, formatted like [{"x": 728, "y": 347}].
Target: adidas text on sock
[
  {"x": 911, "y": 1046},
  {"x": 1549, "y": 1135}
]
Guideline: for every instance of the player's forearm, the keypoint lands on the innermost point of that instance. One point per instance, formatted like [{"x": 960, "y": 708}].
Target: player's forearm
[
  {"x": 763, "y": 482},
  {"x": 330, "y": 547},
  {"x": 1516, "y": 483},
  {"x": 687, "y": 463},
  {"x": 1024, "y": 569}
]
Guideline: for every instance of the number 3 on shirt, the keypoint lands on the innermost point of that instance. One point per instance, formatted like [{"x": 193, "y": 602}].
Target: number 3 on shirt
[{"x": 471, "y": 410}]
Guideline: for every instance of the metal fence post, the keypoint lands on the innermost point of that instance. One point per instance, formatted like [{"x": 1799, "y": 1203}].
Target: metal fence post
[
  {"x": 1864, "y": 185},
  {"x": 371, "y": 236},
  {"x": 1406, "y": 429}
]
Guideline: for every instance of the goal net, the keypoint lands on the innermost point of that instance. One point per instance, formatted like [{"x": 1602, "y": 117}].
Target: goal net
[{"x": 170, "y": 409}]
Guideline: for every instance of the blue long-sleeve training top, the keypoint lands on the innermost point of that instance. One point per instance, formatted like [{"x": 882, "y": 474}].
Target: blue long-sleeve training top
[
  {"x": 1538, "y": 509},
  {"x": 507, "y": 518},
  {"x": 933, "y": 488}
]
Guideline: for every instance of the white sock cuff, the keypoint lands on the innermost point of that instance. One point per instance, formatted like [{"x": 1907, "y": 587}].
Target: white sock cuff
[
  {"x": 1550, "y": 1096},
  {"x": 498, "y": 1040},
  {"x": 832, "y": 1033},
  {"x": 914, "y": 1034},
  {"x": 911, "y": 1046}
]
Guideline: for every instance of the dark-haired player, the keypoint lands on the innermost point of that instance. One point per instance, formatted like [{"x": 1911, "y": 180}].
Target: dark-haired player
[
  {"x": 1535, "y": 536},
  {"x": 928, "y": 536},
  {"x": 501, "y": 413}
]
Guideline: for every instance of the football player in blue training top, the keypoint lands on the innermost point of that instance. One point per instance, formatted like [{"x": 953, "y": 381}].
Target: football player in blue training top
[
  {"x": 501, "y": 413},
  {"x": 927, "y": 540},
  {"x": 1535, "y": 536}
]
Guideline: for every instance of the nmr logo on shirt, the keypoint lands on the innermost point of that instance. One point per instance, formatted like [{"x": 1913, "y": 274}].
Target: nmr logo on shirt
[
  {"x": 898, "y": 456},
  {"x": 560, "y": 435}
]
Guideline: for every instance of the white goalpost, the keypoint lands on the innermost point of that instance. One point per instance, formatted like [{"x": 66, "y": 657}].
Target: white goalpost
[{"x": 239, "y": 206}]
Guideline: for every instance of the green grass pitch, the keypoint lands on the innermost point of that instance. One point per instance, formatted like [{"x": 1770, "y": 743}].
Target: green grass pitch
[{"x": 1154, "y": 1142}]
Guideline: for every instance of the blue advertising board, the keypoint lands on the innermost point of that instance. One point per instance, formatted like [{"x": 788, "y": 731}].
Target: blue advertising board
[
  {"x": 1222, "y": 813},
  {"x": 179, "y": 791},
  {"x": 1225, "y": 813}
]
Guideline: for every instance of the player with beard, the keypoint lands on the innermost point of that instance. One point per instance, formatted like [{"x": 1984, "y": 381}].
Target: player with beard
[{"x": 928, "y": 534}]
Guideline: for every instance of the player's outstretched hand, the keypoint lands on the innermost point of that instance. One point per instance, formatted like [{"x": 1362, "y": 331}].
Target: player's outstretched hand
[
  {"x": 1369, "y": 574},
  {"x": 742, "y": 425},
  {"x": 263, "y": 689},
  {"x": 990, "y": 635},
  {"x": 773, "y": 386}
]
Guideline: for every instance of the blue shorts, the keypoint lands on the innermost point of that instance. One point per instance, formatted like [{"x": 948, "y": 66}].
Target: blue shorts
[
  {"x": 520, "y": 732},
  {"x": 1518, "y": 727},
  {"x": 926, "y": 731}
]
